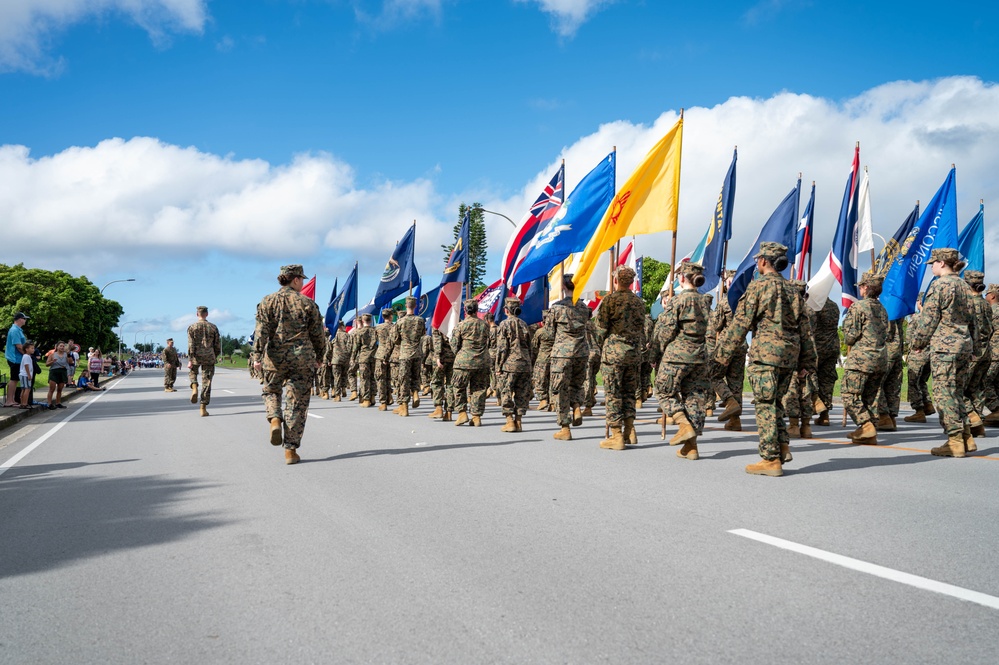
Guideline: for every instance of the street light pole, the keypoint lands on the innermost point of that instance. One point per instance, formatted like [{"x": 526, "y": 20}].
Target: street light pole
[
  {"x": 100, "y": 317},
  {"x": 120, "y": 326},
  {"x": 498, "y": 214}
]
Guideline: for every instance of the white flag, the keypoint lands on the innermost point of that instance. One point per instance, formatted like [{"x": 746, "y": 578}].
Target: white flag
[{"x": 865, "y": 229}]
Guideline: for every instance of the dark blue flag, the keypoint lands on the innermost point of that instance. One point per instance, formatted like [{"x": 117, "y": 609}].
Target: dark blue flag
[
  {"x": 894, "y": 245},
  {"x": 534, "y": 301},
  {"x": 343, "y": 303},
  {"x": 400, "y": 272},
  {"x": 329, "y": 308},
  {"x": 779, "y": 228},
  {"x": 720, "y": 232}
]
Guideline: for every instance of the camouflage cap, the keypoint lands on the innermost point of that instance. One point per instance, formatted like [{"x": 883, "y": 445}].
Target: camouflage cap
[
  {"x": 388, "y": 311},
  {"x": 870, "y": 279},
  {"x": 800, "y": 284},
  {"x": 624, "y": 274},
  {"x": 993, "y": 289},
  {"x": 293, "y": 270},
  {"x": 511, "y": 302},
  {"x": 974, "y": 277},
  {"x": 471, "y": 306},
  {"x": 690, "y": 268},
  {"x": 411, "y": 301},
  {"x": 948, "y": 255},
  {"x": 771, "y": 250}
]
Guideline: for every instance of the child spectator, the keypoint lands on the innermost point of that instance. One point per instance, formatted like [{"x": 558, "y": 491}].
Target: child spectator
[
  {"x": 96, "y": 366},
  {"x": 27, "y": 374}
]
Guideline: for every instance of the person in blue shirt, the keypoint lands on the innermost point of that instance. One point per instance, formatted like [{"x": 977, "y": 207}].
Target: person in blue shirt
[{"x": 14, "y": 351}]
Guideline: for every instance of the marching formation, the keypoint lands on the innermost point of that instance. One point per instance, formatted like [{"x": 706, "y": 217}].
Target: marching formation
[{"x": 700, "y": 356}]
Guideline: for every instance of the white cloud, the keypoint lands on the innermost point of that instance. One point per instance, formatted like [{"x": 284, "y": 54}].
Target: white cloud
[
  {"x": 27, "y": 27},
  {"x": 569, "y": 15},
  {"x": 394, "y": 12},
  {"x": 165, "y": 202}
]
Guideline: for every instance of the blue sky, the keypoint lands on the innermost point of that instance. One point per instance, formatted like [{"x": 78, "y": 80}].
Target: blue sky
[{"x": 264, "y": 132}]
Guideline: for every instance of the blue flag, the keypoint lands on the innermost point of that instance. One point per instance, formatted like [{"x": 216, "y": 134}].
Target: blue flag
[
  {"x": 343, "y": 303},
  {"x": 572, "y": 227},
  {"x": 534, "y": 302},
  {"x": 427, "y": 303},
  {"x": 894, "y": 245},
  {"x": 971, "y": 243},
  {"x": 720, "y": 231},
  {"x": 779, "y": 228},
  {"x": 400, "y": 272},
  {"x": 330, "y": 311},
  {"x": 937, "y": 227}
]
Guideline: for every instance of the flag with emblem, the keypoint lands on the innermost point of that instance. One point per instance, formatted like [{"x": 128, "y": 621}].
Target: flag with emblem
[
  {"x": 400, "y": 272},
  {"x": 447, "y": 312},
  {"x": 544, "y": 208}
]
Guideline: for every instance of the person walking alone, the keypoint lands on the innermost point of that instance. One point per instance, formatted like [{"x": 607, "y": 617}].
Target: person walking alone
[{"x": 204, "y": 346}]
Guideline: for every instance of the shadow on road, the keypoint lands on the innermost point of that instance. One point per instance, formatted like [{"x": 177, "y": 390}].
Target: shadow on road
[
  {"x": 147, "y": 407},
  {"x": 51, "y": 519},
  {"x": 420, "y": 449}
]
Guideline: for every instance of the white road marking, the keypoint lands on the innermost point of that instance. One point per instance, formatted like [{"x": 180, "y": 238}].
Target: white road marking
[
  {"x": 312, "y": 415},
  {"x": 873, "y": 569},
  {"x": 44, "y": 437},
  {"x": 229, "y": 391}
]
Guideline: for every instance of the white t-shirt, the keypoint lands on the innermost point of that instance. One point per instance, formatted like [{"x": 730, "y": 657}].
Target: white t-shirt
[{"x": 27, "y": 367}]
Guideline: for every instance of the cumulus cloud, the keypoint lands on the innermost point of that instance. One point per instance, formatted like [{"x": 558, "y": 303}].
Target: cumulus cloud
[
  {"x": 169, "y": 202},
  {"x": 27, "y": 27},
  {"x": 568, "y": 15}
]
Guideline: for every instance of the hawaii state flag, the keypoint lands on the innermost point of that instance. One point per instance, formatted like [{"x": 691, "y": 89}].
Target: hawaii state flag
[{"x": 447, "y": 313}]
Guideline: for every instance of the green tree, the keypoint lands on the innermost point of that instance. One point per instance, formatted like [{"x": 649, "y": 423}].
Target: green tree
[
  {"x": 654, "y": 273},
  {"x": 230, "y": 344},
  {"x": 60, "y": 306},
  {"x": 477, "y": 244}
]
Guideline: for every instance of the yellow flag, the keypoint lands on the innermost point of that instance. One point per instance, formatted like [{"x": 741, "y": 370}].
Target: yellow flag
[{"x": 646, "y": 203}]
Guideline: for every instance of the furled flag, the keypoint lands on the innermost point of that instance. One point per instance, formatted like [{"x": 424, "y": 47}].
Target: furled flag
[
  {"x": 639, "y": 269},
  {"x": 490, "y": 297},
  {"x": 328, "y": 318},
  {"x": 400, "y": 272},
  {"x": 937, "y": 227},
  {"x": 646, "y": 203},
  {"x": 573, "y": 225},
  {"x": 345, "y": 302},
  {"x": 971, "y": 243},
  {"x": 803, "y": 240},
  {"x": 447, "y": 313},
  {"x": 894, "y": 245},
  {"x": 544, "y": 208},
  {"x": 309, "y": 288},
  {"x": 865, "y": 227},
  {"x": 779, "y": 228},
  {"x": 720, "y": 231},
  {"x": 840, "y": 265}
]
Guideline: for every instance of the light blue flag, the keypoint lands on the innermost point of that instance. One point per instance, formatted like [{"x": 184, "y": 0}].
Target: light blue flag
[
  {"x": 572, "y": 227},
  {"x": 971, "y": 243},
  {"x": 937, "y": 227},
  {"x": 696, "y": 256}
]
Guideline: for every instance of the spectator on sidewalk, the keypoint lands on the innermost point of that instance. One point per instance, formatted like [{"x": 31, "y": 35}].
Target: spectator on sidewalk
[
  {"x": 96, "y": 366},
  {"x": 14, "y": 351},
  {"x": 84, "y": 384},
  {"x": 73, "y": 352},
  {"x": 26, "y": 374},
  {"x": 58, "y": 362}
]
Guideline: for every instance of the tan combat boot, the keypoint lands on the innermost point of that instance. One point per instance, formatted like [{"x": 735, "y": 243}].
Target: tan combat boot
[
  {"x": 953, "y": 448},
  {"x": 818, "y": 406},
  {"x": 668, "y": 419},
  {"x": 793, "y": 430},
  {"x": 397, "y": 409},
  {"x": 563, "y": 434},
  {"x": 543, "y": 405},
  {"x": 291, "y": 456},
  {"x": 446, "y": 418},
  {"x": 462, "y": 418},
  {"x": 276, "y": 439},
  {"x": 577, "y": 417},
  {"x": 476, "y": 421},
  {"x": 785, "y": 453},
  {"x": 929, "y": 408},
  {"x": 517, "y": 425},
  {"x": 629, "y": 433},
  {"x": 194, "y": 393},
  {"x": 771, "y": 467},
  {"x": 499, "y": 400},
  {"x": 365, "y": 404},
  {"x": 324, "y": 395},
  {"x": 823, "y": 419},
  {"x": 732, "y": 408},
  {"x": 639, "y": 404},
  {"x": 734, "y": 424},
  {"x": 865, "y": 434},
  {"x": 689, "y": 450},
  {"x": 616, "y": 439},
  {"x": 204, "y": 410},
  {"x": 353, "y": 396},
  {"x": 686, "y": 431},
  {"x": 404, "y": 409},
  {"x": 510, "y": 426},
  {"x": 709, "y": 413},
  {"x": 918, "y": 417},
  {"x": 969, "y": 442},
  {"x": 336, "y": 398},
  {"x": 885, "y": 423},
  {"x": 992, "y": 418},
  {"x": 977, "y": 426},
  {"x": 436, "y": 413},
  {"x": 588, "y": 411},
  {"x": 806, "y": 429},
  {"x": 416, "y": 400},
  {"x": 383, "y": 407}
]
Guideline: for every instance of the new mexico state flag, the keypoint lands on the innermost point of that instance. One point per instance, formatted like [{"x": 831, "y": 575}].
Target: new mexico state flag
[{"x": 646, "y": 203}]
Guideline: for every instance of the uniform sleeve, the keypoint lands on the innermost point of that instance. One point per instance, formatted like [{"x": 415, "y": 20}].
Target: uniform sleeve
[
  {"x": 929, "y": 319},
  {"x": 745, "y": 316},
  {"x": 853, "y": 326},
  {"x": 217, "y": 343},
  {"x": 316, "y": 334}
]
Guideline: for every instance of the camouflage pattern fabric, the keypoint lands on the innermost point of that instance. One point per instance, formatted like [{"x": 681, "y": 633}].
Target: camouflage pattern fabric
[
  {"x": 569, "y": 356},
  {"x": 946, "y": 326},
  {"x": 891, "y": 386},
  {"x": 592, "y": 364},
  {"x": 825, "y": 329},
  {"x": 648, "y": 363},
  {"x": 768, "y": 383},
  {"x": 975, "y": 394},
  {"x": 683, "y": 388},
  {"x": 290, "y": 336},
  {"x": 170, "y": 357},
  {"x": 204, "y": 345},
  {"x": 678, "y": 344},
  {"x": 441, "y": 378},
  {"x": 354, "y": 367},
  {"x": 513, "y": 365},
  {"x": 726, "y": 380},
  {"x": 366, "y": 344},
  {"x": 991, "y": 381},
  {"x": 621, "y": 330},
  {"x": 469, "y": 390},
  {"x": 865, "y": 331},
  {"x": 515, "y": 392},
  {"x": 409, "y": 334},
  {"x": 543, "y": 341}
]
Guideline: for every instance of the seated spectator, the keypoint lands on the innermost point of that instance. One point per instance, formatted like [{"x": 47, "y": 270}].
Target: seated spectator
[
  {"x": 58, "y": 362},
  {"x": 84, "y": 384}
]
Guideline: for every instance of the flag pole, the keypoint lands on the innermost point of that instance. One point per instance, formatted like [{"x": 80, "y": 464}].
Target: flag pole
[
  {"x": 672, "y": 255},
  {"x": 797, "y": 218},
  {"x": 611, "y": 262},
  {"x": 873, "y": 260},
  {"x": 810, "y": 245}
]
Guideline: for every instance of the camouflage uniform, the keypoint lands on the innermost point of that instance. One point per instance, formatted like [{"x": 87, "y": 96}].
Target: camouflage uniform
[
  {"x": 992, "y": 376},
  {"x": 470, "y": 344},
  {"x": 493, "y": 384},
  {"x": 975, "y": 401},
  {"x": 429, "y": 361},
  {"x": 825, "y": 328},
  {"x": 383, "y": 366},
  {"x": 342, "y": 348},
  {"x": 621, "y": 329},
  {"x": 203, "y": 346},
  {"x": 170, "y": 358},
  {"x": 865, "y": 331},
  {"x": 678, "y": 342},
  {"x": 542, "y": 342},
  {"x": 291, "y": 339},
  {"x": 798, "y": 399},
  {"x": 592, "y": 364},
  {"x": 645, "y": 372},
  {"x": 775, "y": 313},
  {"x": 727, "y": 380},
  {"x": 365, "y": 346},
  {"x": 568, "y": 356},
  {"x": 513, "y": 364},
  {"x": 442, "y": 379},
  {"x": 325, "y": 373},
  {"x": 409, "y": 333},
  {"x": 891, "y": 386},
  {"x": 353, "y": 366},
  {"x": 918, "y": 365},
  {"x": 946, "y": 326}
]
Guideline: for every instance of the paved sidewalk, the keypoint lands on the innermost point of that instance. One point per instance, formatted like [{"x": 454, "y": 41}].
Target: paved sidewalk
[{"x": 12, "y": 416}]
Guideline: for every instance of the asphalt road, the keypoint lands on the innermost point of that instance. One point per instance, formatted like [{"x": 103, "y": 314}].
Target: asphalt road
[{"x": 135, "y": 531}]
